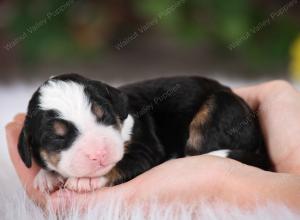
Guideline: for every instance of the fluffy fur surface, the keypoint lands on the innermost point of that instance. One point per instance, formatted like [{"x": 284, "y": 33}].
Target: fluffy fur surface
[{"x": 14, "y": 203}]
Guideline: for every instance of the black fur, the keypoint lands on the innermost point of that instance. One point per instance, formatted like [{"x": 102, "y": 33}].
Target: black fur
[{"x": 162, "y": 129}]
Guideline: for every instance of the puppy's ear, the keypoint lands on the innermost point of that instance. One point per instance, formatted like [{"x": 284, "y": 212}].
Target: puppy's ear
[
  {"x": 24, "y": 148},
  {"x": 119, "y": 101}
]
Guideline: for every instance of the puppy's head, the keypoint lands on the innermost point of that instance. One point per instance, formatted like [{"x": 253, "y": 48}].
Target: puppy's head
[{"x": 76, "y": 127}]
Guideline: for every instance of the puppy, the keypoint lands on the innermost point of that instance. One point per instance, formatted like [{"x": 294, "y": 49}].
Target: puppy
[{"x": 86, "y": 134}]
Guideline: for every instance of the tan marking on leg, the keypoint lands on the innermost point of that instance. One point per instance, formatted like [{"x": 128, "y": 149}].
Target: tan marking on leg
[
  {"x": 112, "y": 176},
  {"x": 195, "y": 137}
]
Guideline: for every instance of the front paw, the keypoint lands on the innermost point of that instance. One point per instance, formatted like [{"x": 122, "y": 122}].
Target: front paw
[
  {"x": 47, "y": 182},
  {"x": 85, "y": 184}
]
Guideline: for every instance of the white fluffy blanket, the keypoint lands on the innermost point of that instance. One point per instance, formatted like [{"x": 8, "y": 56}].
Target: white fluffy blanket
[{"x": 14, "y": 204}]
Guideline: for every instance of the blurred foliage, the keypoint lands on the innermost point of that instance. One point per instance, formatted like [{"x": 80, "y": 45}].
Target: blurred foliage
[
  {"x": 295, "y": 63},
  {"x": 85, "y": 28}
]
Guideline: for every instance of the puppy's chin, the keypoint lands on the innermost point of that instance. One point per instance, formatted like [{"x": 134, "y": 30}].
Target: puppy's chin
[
  {"x": 102, "y": 171},
  {"x": 86, "y": 173}
]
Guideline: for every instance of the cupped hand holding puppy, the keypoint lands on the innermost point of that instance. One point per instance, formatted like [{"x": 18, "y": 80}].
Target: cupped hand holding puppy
[{"x": 198, "y": 178}]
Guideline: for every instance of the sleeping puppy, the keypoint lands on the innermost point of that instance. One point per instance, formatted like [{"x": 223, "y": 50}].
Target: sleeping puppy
[{"x": 86, "y": 134}]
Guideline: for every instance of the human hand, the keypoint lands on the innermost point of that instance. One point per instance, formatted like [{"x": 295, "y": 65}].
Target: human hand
[
  {"x": 277, "y": 105},
  {"x": 191, "y": 179}
]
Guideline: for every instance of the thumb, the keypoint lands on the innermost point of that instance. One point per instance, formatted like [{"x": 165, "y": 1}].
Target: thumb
[{"x": 25, "y": 175}]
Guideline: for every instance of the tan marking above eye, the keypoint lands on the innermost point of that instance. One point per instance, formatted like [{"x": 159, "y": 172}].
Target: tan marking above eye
[
  {"x": 97, "y": 110},
  {"x": 60, "y": 128}
]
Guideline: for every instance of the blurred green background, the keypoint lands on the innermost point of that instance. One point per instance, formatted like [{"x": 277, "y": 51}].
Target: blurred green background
[{"x": 135, "y": 39}]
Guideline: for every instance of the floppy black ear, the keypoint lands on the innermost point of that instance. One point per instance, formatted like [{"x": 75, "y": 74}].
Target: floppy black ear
[
  {"x": 24, "y": 148},
  {"x": 119, "y": 101}
]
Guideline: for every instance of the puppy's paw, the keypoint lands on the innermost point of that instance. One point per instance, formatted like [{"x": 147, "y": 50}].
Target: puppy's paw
[
  {"x": 46, "y": 181},
  {"x": 85, "y": 184}
]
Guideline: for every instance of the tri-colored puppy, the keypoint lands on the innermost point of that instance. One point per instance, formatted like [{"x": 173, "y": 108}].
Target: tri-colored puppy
[{"x": 86, "y": 134}]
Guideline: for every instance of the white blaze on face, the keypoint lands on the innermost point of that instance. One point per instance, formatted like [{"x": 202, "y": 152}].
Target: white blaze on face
[{"x": 98, "y": 147}]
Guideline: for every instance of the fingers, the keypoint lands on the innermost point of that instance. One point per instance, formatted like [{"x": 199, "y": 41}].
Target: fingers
[
  {"x": 277, "y": 106},
  {"x": 255, "y": 95},
  {"x": 26, "y": 175},
  {"x": 250, "y": 95},
  {"x": 19, "y": 118}
]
